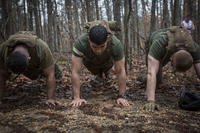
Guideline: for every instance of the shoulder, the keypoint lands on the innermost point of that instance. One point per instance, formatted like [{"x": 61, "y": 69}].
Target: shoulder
[
  {"x": 41, "y": 46},
  {"x": 116, "y": 48},
  {"x": 82, "y": 38},
  {"x": 115, "y": 40},
  {"x": 41, "y": 43},
  {"x": 42, "y": 49},
  {"x": 116, "y": 43},
  {"x": 80, "y": 46},
  {"x": 159, "y": 38}
]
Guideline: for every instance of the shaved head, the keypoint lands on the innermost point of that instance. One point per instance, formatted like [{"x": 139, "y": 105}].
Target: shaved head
[{"x": 181, "y": 60}]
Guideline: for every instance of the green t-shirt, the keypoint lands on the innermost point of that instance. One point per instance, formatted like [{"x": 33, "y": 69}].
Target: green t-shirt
[
  {"x": 157, "y": 47},
  {"x": 41, "y": 56},
  {"x": 113, "y": 52}
]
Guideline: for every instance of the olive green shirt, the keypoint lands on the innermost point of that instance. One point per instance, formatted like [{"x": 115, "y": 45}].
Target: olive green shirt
[
  {"x": 113, "y": 52},
  {"x": 40, "y": 54},
  {"x": 157, "y": 47}
]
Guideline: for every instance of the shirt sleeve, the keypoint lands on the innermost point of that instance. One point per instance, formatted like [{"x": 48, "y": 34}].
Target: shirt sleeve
[
  {"x": 77, "y": 50},
  {"x": 46, "y": 55},
  {"x": 158, "y": 47},
  {"x": 80, "y": 46},
  {"x": 118, "y": 50}
]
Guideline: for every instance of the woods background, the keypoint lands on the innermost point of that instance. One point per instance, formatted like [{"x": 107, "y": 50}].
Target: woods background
[{"x": 60, "y": 22}]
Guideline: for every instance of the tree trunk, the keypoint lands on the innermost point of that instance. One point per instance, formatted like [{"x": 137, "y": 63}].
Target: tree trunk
[
  {"x": 144, "y": 15},
  {"x": 117, "y": 15},
  {"x": 187, "y": 8},
  {"x": 89, "y": 10},
  {"x": 108, "y": 9},
  {"x": 50, "y": 23},
  {"x": 44, "y": 20},
  {"x": 97, "y": 9},
  {"x": 30, "y": 14},
  {"x": 83, "y": 13},
  {"x": 76, "y": 20},
  {"x": 8, "y": 26},
  {"x": 165, "y": 20},
  {"x": 126, "y": 32},
  {"x": 172, "y": 10},
  {"x": 153, "y": 17},
  {"x": 37, "y": 17},
  {"x": 177, "y": 13}
]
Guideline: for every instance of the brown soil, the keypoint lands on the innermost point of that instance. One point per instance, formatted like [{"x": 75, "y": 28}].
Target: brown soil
[{"x": 23, "y": 109}]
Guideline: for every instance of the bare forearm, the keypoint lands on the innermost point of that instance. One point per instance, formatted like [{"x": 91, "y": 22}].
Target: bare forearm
[
  {"x": 51, "y": 85},
  {"x": 76, "y": 85},
  {"x": 122, "y": 83},
  {"x": 151, "y": 87}
]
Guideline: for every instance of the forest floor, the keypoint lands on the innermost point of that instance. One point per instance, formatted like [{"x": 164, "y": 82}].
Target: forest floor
[{"x": 23, "y": 109}]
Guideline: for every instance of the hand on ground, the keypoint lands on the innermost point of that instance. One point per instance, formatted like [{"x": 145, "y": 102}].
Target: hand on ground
[
  {"x": 151, "y": 106},
  {"x": 122, "y": 102},
  {"x": 78, "y": 102},
  {"x": 53, "y": 102}
]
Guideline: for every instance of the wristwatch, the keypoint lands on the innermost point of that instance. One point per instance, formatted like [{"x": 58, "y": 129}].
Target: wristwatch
[{"x": 122, "y": 96}]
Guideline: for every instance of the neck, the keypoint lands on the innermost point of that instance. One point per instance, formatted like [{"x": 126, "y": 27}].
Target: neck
[{"x": 22, "y": 49}]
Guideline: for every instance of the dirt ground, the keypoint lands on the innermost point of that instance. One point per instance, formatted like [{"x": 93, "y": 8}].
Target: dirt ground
[{"x": 23, "y": 109}]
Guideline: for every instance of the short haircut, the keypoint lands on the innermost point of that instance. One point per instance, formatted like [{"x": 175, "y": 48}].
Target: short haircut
[
  {"x": 98, "y": 34},
  {"x": 17, "y": 62},
  {"x": 182, "y": 60}
]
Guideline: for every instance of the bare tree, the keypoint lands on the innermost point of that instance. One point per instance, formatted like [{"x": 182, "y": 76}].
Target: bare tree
[
  {"x": 165, "y": 16},
  {"x": 50, "y": 23},
  {"x": 176, "y": 19},
  {"x": 76, "y": 19},
  {"x": 107, "y": 4},
  {"x": 117, "y": 15},
  {"x": 144, "y": 15},
  {"x": 83, "y": 12},
  {"x": 89, "y": 10},
  {"x": 97, "y": 9},
  {"x": 153, "y": 17},
  {"x": 7, "y": 27},
  {"x": 43, "y": 11},
  {"x": 127, "y": 13},
  {"x": 69, "y": 11},
  {"x": 37, "y": 16},
  {"x": 30, "y": 14}
]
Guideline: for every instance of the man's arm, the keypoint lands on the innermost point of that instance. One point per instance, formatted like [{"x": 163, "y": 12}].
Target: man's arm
[
  {"x": 76, "y": 68},
  {"x": 121, "y": 74},
  {"x": 153, "y": 67},
  {"x": 197, "y": 69},
  {"x": 49, "y": 73}
]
